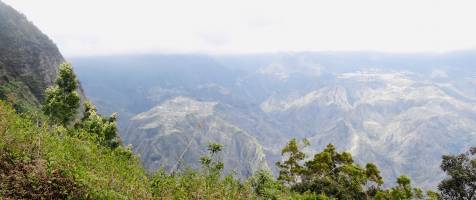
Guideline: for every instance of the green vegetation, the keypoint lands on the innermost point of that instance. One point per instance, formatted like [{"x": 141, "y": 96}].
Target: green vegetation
[
  {"x": 461, "y": 171},
  {"x": 18, "y": 94},
  {"x": 204, "y": 184},
  {"x": 211, "y": 183},
  {"x": 333, "y": 175},
  {"x": 44, "y": 158},
  {"x": 404, "y": 190},
  {"x": 55, "y": 155},
  {"x": 104, "y": 129},
  {"x": 52, "y": 162},
  {"x": 62, "y": 100},
  {"x": 336, "y": 175}
]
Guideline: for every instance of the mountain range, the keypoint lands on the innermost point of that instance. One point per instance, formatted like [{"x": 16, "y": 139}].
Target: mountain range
[{"x": 400, "y": 111}]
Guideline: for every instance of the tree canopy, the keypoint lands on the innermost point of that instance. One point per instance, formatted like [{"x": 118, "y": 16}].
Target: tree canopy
[
  {"x": 330, "y": 174},
  {"x": 461, "y": 180},
  {"x": 62, "y": 101}
]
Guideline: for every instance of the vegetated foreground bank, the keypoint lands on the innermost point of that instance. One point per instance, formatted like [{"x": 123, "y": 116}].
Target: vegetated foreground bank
[{"x": 54, "y": 154}]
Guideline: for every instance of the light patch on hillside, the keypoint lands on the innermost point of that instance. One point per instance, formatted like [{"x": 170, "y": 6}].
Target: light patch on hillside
[
  {"x": 275, "y": 70},
  {"x": 329, "y": 96},
  {"x": 173, "y": 111},
  {"x": 282, "y": 71},
  {"x": 397, "y": 79}
]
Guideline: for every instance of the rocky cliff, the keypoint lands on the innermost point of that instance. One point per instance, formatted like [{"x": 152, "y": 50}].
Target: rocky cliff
[{"x": 29, "y": 60}]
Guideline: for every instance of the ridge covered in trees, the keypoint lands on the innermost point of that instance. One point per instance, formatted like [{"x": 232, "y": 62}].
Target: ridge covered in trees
[{"x": 56, "y": 152}]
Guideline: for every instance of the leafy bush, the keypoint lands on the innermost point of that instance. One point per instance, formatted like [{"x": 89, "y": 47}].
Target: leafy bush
[{"x": 103, "y": 129}]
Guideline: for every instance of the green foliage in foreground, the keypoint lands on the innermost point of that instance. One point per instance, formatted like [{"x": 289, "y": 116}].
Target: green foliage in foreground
[
  {"x": 461, "y": 180},
  {"x": 210, "y": 183},
  {"x": 63, "y": 163},
  {"x": 334, "y": 175},
  {"x": 43, "y": 157},
  {"x": 104, "y": 129},
  {"x": 38, "y": 160}
]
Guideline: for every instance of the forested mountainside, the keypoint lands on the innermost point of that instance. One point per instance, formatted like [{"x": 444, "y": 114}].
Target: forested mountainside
[
  {"x": 29, "y": 60},
  {"x": 400, "y": 111}
]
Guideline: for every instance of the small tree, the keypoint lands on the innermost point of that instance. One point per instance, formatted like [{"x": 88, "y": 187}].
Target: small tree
[
  {"x": 104, "y": 129},
  {"x": 461, "y": 180},
  {"x": 290, "y": 169},
  {"x": 404, "y": 190},
  {"x": 211, "y": 163},
  {"x": 62, "y": 101}
]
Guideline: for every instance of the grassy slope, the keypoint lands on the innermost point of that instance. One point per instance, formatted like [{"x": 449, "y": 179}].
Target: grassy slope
[{"x": 40, "y": 161}]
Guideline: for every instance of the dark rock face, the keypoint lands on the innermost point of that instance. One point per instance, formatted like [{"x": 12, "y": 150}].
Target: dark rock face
[{"x": 26, "y": 54}]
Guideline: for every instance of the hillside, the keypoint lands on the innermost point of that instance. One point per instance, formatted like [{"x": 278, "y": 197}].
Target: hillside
[
  {"x": 183, "y": 126},
  {"x": 42, "y": 162},
  {"x": 29, "y": 60},
  {"x": 39, "y": 160}
]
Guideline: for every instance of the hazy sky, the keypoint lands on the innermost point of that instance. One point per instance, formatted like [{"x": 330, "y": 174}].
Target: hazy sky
[{"x": 94, "y": 27}]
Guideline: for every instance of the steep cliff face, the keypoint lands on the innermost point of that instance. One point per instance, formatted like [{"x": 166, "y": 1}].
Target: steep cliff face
[
  {"x": 175, "y": 133},
  {"x": 29, "y": 60}
]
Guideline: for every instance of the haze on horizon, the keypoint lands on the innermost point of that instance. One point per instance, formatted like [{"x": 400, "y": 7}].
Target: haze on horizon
[{"x": 87, "y": 27}]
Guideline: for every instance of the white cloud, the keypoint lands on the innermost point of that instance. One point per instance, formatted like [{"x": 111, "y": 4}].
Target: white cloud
[{"x": 91, "y": 27}]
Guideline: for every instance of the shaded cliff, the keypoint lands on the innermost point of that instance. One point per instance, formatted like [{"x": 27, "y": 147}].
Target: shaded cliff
[{"x": 29, "y": 60}]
